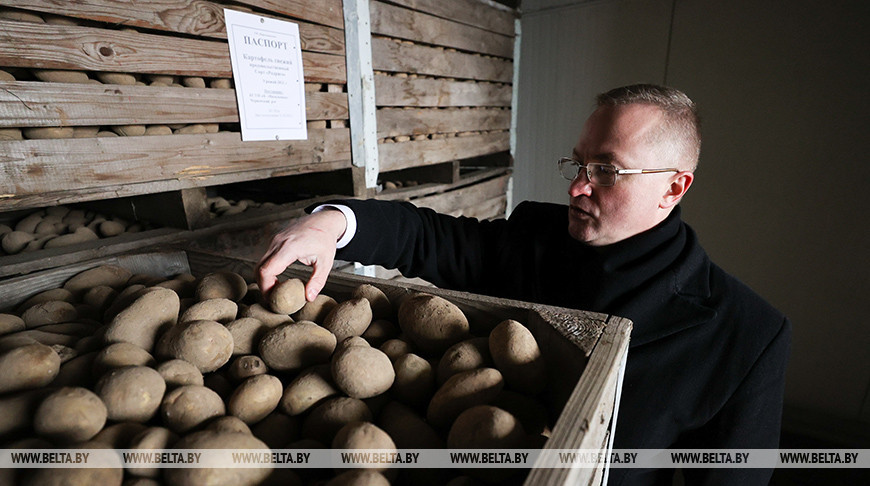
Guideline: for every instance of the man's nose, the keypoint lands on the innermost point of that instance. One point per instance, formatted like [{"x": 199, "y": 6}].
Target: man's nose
[{"x": 580, "y": 186}]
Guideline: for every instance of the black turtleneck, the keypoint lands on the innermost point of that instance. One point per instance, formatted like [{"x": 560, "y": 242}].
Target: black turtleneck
[{"x": 606, "y": 276}]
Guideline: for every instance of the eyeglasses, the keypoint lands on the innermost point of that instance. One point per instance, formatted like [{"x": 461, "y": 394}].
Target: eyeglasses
[{"x": 600, "y": 174}]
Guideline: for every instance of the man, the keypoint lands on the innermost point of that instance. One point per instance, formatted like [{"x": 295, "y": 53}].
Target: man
[{"x": 707, "y": 356}]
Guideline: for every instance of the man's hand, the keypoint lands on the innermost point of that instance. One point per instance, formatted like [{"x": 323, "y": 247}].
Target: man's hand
[{"x": 310, "y": 240}]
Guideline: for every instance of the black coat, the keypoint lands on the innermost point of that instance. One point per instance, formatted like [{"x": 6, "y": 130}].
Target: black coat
[{"x": 707, "y": 355}]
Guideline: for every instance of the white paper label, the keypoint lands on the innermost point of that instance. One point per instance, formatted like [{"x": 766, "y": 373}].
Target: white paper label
[{"x": 266, "y": 57}]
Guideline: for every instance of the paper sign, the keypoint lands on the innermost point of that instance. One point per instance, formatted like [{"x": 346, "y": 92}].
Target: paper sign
[{"x": 266, "y": 56}]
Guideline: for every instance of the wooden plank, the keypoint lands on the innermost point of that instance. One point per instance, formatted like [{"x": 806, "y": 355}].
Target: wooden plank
[
  {"x": 91, "y": 49},
  {"x": 24, "y": 263},
  {"x": 326, "y": 12},
  {"x": 195, "y": 17},
  {"x": 150, "y": 187},
  {"x": 395, "y": 156},
  {"x": 396, "y": 121},
  {"x": 54, "y": 170},
  {"x": 592, "y": 402},
  {"x": 471, "y": 12},
  {"x": 34, "y": 104},
  {"x": 392, "y": 56},
  {"x": 407, "y": 193},
  {"x": 455, "y": 201},
  {"x": 490, "y": 209},
  {"x": 407, "y": 24},
  {"x": 395, "y": 91},
  {"x": 16, "y": 290},
  {"x": 361, "y": 95}
]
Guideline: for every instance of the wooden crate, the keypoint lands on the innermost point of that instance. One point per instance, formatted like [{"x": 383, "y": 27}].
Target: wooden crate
[
  {"x": 182, "y": 40},
  {"x": 584, "y": 351}
]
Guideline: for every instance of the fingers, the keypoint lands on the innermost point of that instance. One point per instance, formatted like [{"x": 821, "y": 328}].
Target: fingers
[
  {"x": 310, "y": 240},
  {"x": 271, "y": 266},
  {"x": 319, "y": 275}
]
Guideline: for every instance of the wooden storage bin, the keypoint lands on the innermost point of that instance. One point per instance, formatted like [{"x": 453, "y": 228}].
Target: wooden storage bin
[
  {"x": 152, "y": 43},
  {"x": 585, "y": 352}
]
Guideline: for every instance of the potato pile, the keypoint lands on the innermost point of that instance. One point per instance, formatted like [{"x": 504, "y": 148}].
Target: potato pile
[
  {"x": 124, "y": 361},
  {"x": 59, "y": 226}
]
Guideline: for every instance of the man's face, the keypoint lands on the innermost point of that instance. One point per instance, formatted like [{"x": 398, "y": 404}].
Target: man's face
[{"x": 621, "y": 136}]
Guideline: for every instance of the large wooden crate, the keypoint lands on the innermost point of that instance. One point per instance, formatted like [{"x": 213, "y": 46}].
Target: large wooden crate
[
  {"x": 585, "y": 352},
  {"x": 176, "y": 55}
]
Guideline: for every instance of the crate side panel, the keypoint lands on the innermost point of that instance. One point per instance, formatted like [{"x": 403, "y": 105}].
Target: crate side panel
[
  {"x": 394, "y": 122},
  {"x": 93, "y": 49},
  {"x": 38, "y": 104},
  {"x": 470, "y": 12},
  {"x": 402, "y": 23},
  {"x": 395, "y": 91},
  {"x": 16, "y": 290},
  {"x": 198, "y": 18},
  {"x": 395, "y": 56},
  {"x": 426, "y": 152},
  {"x": 457, "y": 201},
  {"x": 58, "y": 168}
]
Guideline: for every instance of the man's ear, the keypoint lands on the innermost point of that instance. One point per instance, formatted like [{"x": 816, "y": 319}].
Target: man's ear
[{"x": 679, "y": 186}]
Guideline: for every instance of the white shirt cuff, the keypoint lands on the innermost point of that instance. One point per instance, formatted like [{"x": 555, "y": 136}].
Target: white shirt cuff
[{"x": 351, "y": 223}]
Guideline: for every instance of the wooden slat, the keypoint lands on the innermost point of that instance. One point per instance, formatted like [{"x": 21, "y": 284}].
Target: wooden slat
[
  {"x": 408, "y": 193},
  {"x": 397, "y": 121},
  {"x": 16, "y": 290},
  {"x": 471, "y": 12},
  {"x": 78, "y": 169},
  {"x": 395, "y": 156},
  {"x": 389, "y": 55},
  {"x": 326, "y": 12},
  {"x": 455, "y": 202},
  {"x": 407, "y": 24},
  {"x": 195, "y": 17},
  {"x": 395, "y": 91},
  {"x": 491, "y": 209},
  {"x": 592, "y": 398},
  {"x": 90, "y": 49},
  {"x": 35, "y": 104},
  {"x": 123, "y": 190},
  {"x": 24, "y": 263}
]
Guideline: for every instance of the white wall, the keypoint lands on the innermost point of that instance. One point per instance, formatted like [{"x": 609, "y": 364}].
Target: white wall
[{"x": 780, "y": 192}]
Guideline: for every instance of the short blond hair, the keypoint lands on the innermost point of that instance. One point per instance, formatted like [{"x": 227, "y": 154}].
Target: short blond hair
[{"x": 682, "y": 125}]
